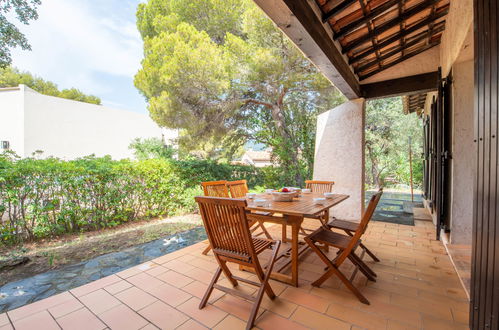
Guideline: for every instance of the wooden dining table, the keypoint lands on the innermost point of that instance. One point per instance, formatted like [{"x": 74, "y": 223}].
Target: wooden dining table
[{"x": 292, "y": 214}]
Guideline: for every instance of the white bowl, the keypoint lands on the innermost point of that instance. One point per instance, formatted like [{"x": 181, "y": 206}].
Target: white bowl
[
  {"x": 260, "y": 202},
  {"x": 306, "y": 191},
  {"x": 269, "y": 191},
  {"x": 283, "y": 196},
  {"x": 250, "y": 195},
  {"x": 328, "y": 195},
  {"x": 319, "y": 200}
]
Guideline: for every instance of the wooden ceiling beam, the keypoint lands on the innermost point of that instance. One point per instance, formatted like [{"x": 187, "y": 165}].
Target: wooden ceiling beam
[
  {"x": 388, "y": 25},
  {"x": 401, "y": 48},
  {"x": 365, "y": 18},
  {"x": 421, "y": 83},
  {"x": 440, "y": 26},
  {"x": 401, "y": 59},
  {"x": 338, "y": 9}
]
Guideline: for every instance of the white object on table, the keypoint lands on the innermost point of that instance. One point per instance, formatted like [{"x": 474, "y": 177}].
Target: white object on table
[
  {"x": 260, "y": 202},
  {"x": 250, "y": 195},
  {"x": 319, "y": 200},
  {"x": 328, "y": 195}
]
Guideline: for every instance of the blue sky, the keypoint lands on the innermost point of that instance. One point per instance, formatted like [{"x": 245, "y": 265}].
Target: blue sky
[{"x": 92, "y": 45}]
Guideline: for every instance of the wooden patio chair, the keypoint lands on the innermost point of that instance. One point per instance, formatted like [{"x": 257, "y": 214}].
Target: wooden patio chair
[
  {"x": 346, "y": 246},
  {"x": 319, "y": 186},
  {"x": 228, "y": 231},
  {"x": 239, "y": 189},
  {"x": 215, "y": 188},
  {"x": 350, "y": 228}
]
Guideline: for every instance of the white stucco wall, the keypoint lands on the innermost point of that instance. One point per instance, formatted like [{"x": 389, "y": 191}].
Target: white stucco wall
[
  {"x": 339, "y": 155},
  {"x": 12, "y": 118},
  {"x": 462, "y": 153},
  {"x": 69, "y": 129}
]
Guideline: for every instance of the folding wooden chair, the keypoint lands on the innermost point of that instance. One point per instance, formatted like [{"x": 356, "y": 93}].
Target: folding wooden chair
[
  {"x": 229, "y": 234},
  {"x": 346, "y": 246},
  {"x": 215, "y": 188},
  {"x": 319, "y": 186},
  {"x": 350, "y": 228},
  {"x": 239, "y": 189}
]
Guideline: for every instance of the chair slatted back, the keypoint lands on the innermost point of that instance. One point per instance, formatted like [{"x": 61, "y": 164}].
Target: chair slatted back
[
  {"x": 366, "y": 217},
  {"x": 238, "y": 189},
  {"x": 215, "y": 188},
  {"x": 319, "y": 186},
  {"x": 227, "y": 227}
]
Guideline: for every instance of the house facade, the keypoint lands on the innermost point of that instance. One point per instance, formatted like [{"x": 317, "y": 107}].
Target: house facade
[
  {"x": 443, "y": 57},
  {"x": 32, "y": 123}
]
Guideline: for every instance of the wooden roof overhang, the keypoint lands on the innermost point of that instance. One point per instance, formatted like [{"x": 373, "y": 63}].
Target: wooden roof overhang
[
  {"x": 378, "y": 34},
  {"x": 352, "y": 40},
  {"x": 414, "y": 103}
]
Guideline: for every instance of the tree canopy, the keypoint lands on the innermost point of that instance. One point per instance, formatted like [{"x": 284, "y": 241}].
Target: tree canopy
[
  {"x": 222, "y": 72},
  {"x": 10, "y": 36},
  {"x": 12, "y": 77}
]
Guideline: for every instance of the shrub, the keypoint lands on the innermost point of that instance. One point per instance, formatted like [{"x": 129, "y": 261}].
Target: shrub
[{"x": 50, "y": 197}]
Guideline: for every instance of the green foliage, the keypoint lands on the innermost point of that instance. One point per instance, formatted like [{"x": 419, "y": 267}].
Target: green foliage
[
  {"x": 49, "y": 197},
  {"x": 224, "y": 74},
  {"x": 10, "y": 36},
  {"x": 151, "y": 148},
  {"x": 12, "y": 77},
  {"x": 388, "y": 131}
]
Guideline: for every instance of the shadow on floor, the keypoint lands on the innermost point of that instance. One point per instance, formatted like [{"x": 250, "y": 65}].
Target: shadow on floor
[{"x": 396, "y": 207}]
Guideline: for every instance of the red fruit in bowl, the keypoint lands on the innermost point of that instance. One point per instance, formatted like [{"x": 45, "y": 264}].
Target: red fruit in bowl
[{"x": 285, "y": 190}]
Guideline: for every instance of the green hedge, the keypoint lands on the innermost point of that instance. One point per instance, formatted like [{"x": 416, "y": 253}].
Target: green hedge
[{"x": 50, "y": 197}]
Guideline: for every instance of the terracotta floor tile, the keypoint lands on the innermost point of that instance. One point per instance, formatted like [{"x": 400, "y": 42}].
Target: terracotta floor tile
[
  {"x": 157, "y": 270},
  {"x": 65, "y": 308},
  {"x": 191, "y": 325},
  {"x": 306, "y": 299},
  {"x": 357, "y": 317},
  {"x": 208, "y": 316},
  {"x": 94, "y": 286},
  {"x": 135, "y": 298},
  {"x": 123, "y": 317},
  {"x": 6, "y": 327},
  {"x": 163, "y": 316},
  {"x": 232, "y": 323},
  {"x": 150, "y": 326},
  {"x": 396, "y": 325},
  {"x": 175, "y": 279},
  {"x": 430, "y": 323},
  {"x": 199, "y": 274},
  {"x": 441, "y": 311},
  {"x": 99, "y": 301},
  {"x": 144, "y": 281},
  {"x": 461, "y": 316},
  {"x": 236, "y": 306},
  {"x": 271, "y": 321},
  {"x": 39, "y": 306},
  {"x": 316, "y": 320},
  {"x": 170, "y": 294},
  {"x": 278, "y": 306},
  {"x": 39, "y": 321},
  {"x": 389, "y": 311},
  {"x": 117, "y": 287},
  {"x": 179, "y": 266},
  {"x": 4, "y": 320},
  {"x": 198, "y": 289},
  {"x": 81, "y": 319}
]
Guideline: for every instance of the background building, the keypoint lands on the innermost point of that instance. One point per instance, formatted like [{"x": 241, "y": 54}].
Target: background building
[{"x": 67, "y": 129}]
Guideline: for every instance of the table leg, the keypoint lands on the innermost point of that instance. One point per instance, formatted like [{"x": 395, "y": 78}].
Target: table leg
[
  {"x": 284, "y": 238},
  {"x": 295, "y": 228}
]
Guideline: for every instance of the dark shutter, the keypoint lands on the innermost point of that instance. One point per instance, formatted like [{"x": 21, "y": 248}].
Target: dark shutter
[{"x": 485, "y": 268}]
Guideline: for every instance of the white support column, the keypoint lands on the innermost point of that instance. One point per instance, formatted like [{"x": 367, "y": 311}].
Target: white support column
[
  {"x": 339, "y": 155},
  {"x": 463, "y": 155}
]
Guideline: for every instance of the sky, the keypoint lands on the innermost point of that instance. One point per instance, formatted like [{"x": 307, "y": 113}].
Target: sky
[{"x": 92, "y": 45}]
